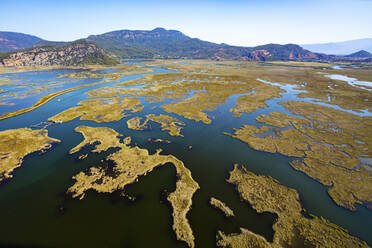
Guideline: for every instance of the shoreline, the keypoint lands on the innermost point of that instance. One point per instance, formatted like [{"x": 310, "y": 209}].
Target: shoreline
[{"x": 43, "y": 100}]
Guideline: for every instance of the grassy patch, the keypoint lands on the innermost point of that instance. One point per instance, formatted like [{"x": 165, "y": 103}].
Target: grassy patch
[{"x": 15, "y": 144}]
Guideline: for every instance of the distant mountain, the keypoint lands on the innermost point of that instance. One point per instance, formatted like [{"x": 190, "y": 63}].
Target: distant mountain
[
  {"x": 162, "y": 43},
  {"x": 76, "y": 53},
  {"x": 360, "y": 54},
  {"x": 341, "y": 48},
  {"x": 11, "y": 41}
]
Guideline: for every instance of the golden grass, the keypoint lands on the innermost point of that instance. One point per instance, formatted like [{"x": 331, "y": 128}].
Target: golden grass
[
  {"x": 221, "y": 206},
  {"x": 15, "y": 144}
]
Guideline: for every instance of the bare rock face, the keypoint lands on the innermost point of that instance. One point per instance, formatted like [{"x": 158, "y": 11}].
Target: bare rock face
[
  {"x": 73, "y": 54},
  {"x": 260, "y": 55}
]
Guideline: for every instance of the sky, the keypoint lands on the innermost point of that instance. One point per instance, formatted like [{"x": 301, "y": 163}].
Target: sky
[{"x": 234, "y": 22}]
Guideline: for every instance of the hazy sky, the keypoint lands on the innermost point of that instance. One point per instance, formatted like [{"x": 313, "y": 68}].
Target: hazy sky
[{"x": 235, "y": 22}]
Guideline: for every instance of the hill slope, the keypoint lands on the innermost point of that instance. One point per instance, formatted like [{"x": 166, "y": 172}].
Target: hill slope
[
  {"x": 11, "y": 41},
  {"x": 76, "y": 53},
  {"x": 341, "y": 48}
]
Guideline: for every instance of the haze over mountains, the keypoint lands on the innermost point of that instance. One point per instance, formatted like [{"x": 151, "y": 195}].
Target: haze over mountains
[
  {"x": 341, "y": 48},
  {"x": 360, "y": 54},
  {"x": 156, "y": 43}
]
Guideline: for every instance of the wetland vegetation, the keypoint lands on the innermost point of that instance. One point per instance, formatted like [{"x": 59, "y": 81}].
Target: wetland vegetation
[
  {"x": 331, "y": 143},
  {"x": 292, "y": 228}
]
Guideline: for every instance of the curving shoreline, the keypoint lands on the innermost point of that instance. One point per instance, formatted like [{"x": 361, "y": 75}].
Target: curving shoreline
[{"x": 43, "y": 100}]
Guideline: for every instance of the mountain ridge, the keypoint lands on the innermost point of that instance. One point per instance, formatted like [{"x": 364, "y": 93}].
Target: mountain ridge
[
  {"x": 173, "y": 44},
  {"x": 12, "y": 41},
  {"x": 162, "y": 43}
]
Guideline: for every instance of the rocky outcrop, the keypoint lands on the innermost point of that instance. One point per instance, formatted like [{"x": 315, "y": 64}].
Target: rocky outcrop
[{"x": 74, "y": 54}]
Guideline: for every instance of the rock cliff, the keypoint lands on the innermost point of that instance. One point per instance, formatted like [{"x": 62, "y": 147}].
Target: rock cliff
[{"x": 76, "y": 53}]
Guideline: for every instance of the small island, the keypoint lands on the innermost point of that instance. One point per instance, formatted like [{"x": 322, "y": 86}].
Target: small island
[
  {"x": 130, "y": 164},
  {"x": 221, "y": 206},
  {"x": 168, "y": 123}
]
